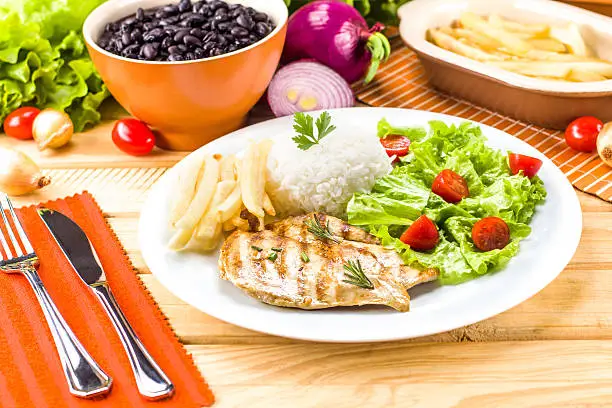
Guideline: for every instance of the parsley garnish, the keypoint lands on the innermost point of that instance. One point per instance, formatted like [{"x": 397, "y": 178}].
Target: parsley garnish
[
  {"x": 305, "y": 257},
  {"x": 273, "y": 256},
  {"x": 304, "y": 125}
]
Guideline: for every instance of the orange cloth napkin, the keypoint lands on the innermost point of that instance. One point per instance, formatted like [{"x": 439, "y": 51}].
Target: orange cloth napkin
[
  {"x": 30, "y": 371},
  {"x": 402, "y": 83}
]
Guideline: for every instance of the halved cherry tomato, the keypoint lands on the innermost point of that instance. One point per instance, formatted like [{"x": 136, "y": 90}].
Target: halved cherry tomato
[
  {"x": 133, "y": 137},
  {"x": 396, "y": 145},
  {"x": 582, "y": 133},
  {"x": 527, "y": 164},
  {"x": 18, "y": 124},
  {"x": 450, "y": 186},
  {"x": 490, "y": 233},
  {"x": 422, "y": 235}
]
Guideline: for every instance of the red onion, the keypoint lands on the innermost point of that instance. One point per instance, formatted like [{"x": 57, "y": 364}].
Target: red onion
[
  {"x": 335, "y": 34},
  {"x": 304, "y": 86}
]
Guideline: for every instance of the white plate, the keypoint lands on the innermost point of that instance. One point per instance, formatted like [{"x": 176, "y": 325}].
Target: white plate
[{"x": 193, "y": 277}]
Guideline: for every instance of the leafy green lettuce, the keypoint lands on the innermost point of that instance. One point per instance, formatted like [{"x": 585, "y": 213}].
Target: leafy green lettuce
[
  {"x": 401, "y": 197},
  {"x": 44, "y": 61}
]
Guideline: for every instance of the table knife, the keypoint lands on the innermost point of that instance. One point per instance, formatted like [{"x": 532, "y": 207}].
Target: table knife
[{"x": 151, "y": 381}]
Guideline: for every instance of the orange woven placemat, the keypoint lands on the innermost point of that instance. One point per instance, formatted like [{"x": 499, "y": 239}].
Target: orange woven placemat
[
  {"x": 30, "y": 370},
  {"x": 402, "y": 83}
]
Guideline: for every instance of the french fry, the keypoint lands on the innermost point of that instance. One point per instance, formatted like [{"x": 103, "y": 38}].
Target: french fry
[
  {"x": 209, "y": 225},
  {"x": 227, "y": 167},
  {"x": 252, "y": 176},
  {"x": 577, "y": 75},
  {"x": 203, "y": 196},
  {"x": 514, "y": 44},
  {"x": 539, "y": 55},
  {"x": 231, "y": 205},
  {"x": 555, "y": 69},
  {"x": 452, "y": 44},
  {"x": 481, "y": 41},
  {"x": 180, "y": 239},
  {"x": 535, "y": 30},
  {"x": 186, "y": 186},
  {"x": 267, "y": 205},
  {"x": 570, "y": 36},
  {"x": 547, "y": 44}
]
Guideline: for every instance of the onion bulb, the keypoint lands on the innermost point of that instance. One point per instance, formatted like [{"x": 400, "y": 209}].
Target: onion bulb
[
  {"x": 52, "y": 129},
  {"x": 19, "y": 174},
  {"x": 604, "y": 144}
]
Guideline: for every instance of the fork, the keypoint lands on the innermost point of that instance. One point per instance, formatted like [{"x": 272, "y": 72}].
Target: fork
[{"x": 85, "y": 378}]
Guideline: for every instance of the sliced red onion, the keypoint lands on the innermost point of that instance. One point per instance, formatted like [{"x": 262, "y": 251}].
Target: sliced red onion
[{"x": 305, "y": 86}]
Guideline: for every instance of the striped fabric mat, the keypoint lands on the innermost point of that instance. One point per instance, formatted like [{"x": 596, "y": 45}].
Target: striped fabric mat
[{"x": 402, "y": 83}]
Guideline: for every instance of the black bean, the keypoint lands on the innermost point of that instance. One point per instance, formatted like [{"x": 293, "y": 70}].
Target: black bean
[
  {"x": 262, "y": 29},
  {"x": 126, "y": 38},
  {"x": 239, "y": 31},
  {"x": 170, "y": 10},
  {"x": 178, "y": 37},
  {"x": 174, "y": 49},
  {"x": 182, "y": 48},
  {"x": 149, "y": 25},
  {"x": 260, "y": 17},
  {"x": 175, "y": 57},
  {"x": 229, "y": 38},
  {"x": 209, "y": 37},
  {"x": 251, "y": 11},
  {"x": 167, "y": 43},
  {"x": 136, "y": 35},
  {"x": 197, "y": 32},
  {"x": 128, "y": 21},
  {"x": 118, "y": 44},
  {"x": 153, "y": 35},
  {"x": 216, "y": 5},
  {"x": 199, "y": 53},
  {"x": 245, "y": 21},
  {"x": 110, "y": 27},
  {"x": 193, "y": 20},
  {"x": 131, "y": 51},
  {"x": 209, "y": 46},
  {"x": 184, "y": 5},
  {"x": 225, "y": 26},
  {"x": 221, "y": 15},
  {"x": 232, "y": 48},
  {"x": 206, "y": 26},
  {"x": 215, "y": 52},
  {"x": 253, "y": 38},
  {"x": 189, "y": 56},
  {"x": 191, "y": 40},
  {"x": 148, "y": 51},
  {"x": 103, "y": 42}
]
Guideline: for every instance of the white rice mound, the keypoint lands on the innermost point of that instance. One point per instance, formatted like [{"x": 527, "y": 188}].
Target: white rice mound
[{"x": 324, "y": 177}]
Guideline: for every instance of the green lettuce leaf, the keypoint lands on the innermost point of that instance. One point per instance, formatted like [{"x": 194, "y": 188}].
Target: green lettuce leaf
[
  {"x": 44, "y": 61},
  {"x": 399, "y": 198}
]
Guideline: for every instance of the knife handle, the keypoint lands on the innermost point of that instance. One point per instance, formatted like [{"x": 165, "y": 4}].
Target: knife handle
[
  {"x": 85, "y": 378},
  {"x": 151, "y": 381}
]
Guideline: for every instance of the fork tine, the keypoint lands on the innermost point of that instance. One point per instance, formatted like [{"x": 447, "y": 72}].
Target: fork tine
[
  {"x": 22, "y": 235},
  {"x": 9, "y": 229},
  {"x": 7, "y": 249}
]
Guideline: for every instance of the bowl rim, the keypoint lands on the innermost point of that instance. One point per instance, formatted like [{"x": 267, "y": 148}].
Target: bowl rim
[
  {"x": 413, "y": 36},
  {"x": 111, "y": 4}
]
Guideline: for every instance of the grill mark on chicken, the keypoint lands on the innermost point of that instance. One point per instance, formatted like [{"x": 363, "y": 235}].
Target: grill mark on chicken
[{"x": 291, "y": 282}]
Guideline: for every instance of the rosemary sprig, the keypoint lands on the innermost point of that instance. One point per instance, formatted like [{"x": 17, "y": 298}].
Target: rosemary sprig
[
  {"x": 273, "y": 256},
  {"x": 256, "y": 248},
  {"x": 277, "y": 249},
  {"x": 322, "y": 232},
  {"x": 355, "y": 276},
  {"x": 305, "y": 257}
]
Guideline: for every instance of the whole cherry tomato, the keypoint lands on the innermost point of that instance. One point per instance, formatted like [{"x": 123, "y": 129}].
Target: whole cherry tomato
[
  {"x": 582, "y": 133},
  {"x": 18, "y": 124},
  {"x": 133, "y": 137},
  {"x": 450, "y": 186},
  {"x": 396, "y": 145},
  {"x": 490, "y": 233},
  {"x": 527, "y": 164},
  {"x": 421, "y": 235}
]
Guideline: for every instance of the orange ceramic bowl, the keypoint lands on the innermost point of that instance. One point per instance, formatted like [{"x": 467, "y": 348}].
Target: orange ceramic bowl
[{"x": 188, "y": 103}]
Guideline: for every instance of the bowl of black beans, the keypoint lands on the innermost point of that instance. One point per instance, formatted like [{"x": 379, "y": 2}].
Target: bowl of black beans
[{"x": 190, "y": 69}]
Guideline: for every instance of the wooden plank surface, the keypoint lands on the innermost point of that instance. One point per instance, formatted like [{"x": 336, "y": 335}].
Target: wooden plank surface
[{"x": 554, "y": 350}]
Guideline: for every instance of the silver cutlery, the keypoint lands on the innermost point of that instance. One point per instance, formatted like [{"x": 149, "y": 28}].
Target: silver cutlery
[
  {"x": 85, "y": 378},
  {"x": 152, "y": 382}
]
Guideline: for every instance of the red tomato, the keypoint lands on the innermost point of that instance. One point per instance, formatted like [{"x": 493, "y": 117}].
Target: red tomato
[
  {"x": 450, "y": 186},
  {"x": 133, "y": 137},
  {"x": 18, "y": 124},
  {"x": 527, "y": 164},
  {"x": 396, "y": 145},
  {"x": 422, "y": 235},
  {"x": 582, "y": 133},
  {"x": 490, "y": 233}
]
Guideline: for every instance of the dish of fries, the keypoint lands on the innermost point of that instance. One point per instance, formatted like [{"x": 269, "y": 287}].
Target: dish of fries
[
  {"x": 551, "y": 52},
  {"x": 216, "y": 194}
]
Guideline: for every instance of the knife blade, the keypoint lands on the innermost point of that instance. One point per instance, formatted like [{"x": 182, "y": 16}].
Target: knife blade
[{"x": 151, "y": 381}]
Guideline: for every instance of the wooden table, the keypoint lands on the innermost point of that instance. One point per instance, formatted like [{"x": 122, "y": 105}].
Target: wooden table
[{"x": 555, "y": 350}]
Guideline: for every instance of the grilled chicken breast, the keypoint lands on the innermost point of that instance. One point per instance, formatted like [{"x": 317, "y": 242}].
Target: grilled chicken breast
[{"x": 309, "y": 273}]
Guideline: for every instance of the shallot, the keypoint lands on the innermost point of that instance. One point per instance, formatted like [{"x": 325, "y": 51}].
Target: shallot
[{"x": 19, "y": 174}]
